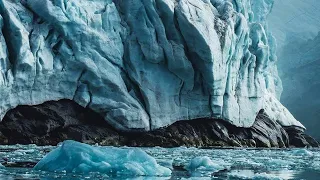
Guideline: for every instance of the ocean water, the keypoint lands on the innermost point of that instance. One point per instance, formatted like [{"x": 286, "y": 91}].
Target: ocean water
[{"x": 185, "y": 163}]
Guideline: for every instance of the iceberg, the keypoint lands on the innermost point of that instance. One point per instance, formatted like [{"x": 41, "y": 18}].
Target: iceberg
[
  {"x": 77, "y": 157},
  {"x": 301, "y": 152}
]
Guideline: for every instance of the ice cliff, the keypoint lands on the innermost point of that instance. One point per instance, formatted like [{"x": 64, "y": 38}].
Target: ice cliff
[{"x": 142, "y": 64}]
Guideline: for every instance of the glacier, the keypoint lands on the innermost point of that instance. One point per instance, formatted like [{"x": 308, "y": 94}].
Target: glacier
[
  {"x": 143, "y": 64},
  {"x": 77, "y": 157}
]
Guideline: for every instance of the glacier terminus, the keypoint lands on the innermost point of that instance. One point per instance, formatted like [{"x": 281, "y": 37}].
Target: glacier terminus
[{"x": 143, "y": 64}]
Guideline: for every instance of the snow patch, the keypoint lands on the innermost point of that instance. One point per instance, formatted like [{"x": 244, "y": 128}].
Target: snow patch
[{"x": 277, "y": 112}]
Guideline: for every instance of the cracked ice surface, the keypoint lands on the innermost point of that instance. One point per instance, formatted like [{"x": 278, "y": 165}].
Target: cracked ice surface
[{"x": 142, "y": 64}]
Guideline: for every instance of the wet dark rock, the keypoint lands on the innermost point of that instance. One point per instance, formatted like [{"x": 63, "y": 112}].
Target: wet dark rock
[
  {"x": 51, "y": 122},
  {"x": 208, "y": 132},
  {"x": 56, "y": 121},
  {"x": 298, "y": 138}
]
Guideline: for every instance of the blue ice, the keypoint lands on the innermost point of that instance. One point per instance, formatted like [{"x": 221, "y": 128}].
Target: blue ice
[{"x": 77, "y": 157}]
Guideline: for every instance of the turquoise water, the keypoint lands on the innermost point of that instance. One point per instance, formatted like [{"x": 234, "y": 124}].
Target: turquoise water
[{"x": 229, "y": 163}]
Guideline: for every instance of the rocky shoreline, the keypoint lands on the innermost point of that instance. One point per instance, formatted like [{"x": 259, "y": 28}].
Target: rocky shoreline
[{"x": 56, "y": 121}]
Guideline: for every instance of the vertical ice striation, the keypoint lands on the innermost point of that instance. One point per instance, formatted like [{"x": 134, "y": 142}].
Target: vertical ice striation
[{"x": 143, "y": 64}]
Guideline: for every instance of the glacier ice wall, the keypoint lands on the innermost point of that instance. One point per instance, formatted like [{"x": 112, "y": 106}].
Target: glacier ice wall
[{"x": 142, "y": 64}]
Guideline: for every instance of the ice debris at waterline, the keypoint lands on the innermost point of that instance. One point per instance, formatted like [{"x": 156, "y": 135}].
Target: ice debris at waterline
[
  {"x": 255, "y": 176},
  {"x": 302, "y": 152},
  {"x": 205, "y": 163},
  {"x": 77, "y": 157},
  {"x": 236, "y": 164}
]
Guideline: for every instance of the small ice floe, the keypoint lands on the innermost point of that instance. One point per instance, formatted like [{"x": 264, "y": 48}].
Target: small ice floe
[
  {"x": 301, "y": 152},
  {"x": 316, "y": 165},
  {"x": 248, "y": 174},
  {"x": 166, "y": 163},
  {"x": 24, "y": 151},
  {"x": 77, "y": 157},
  {"x": 278, "y": 163},
  {"x": 205, "y": 163}
]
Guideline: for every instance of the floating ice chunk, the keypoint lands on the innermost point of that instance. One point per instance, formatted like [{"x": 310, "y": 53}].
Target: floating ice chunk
[
  {"x": 316, "y": 165},
  {"x": 302, "y": 152},
  {"x": 248, "y": 174},
  {"x": 266, "y": 176},
  {"x": 241, "y": 174},
  {"x": 278, "y": 163},
  {"x": 197, "y": 178},
  {"x": 204, "y": 163},
  {"x": 166, "y": 163},
  {"x": 77, "y": 157}
]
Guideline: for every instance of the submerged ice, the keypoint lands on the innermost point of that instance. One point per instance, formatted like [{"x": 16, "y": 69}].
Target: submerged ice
[
  {"x": 77, "y": 157},
  {"x": 142, "y": 64}
]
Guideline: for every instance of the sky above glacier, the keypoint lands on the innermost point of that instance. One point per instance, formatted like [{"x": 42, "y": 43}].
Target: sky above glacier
[
  {"x": 299, "y": 18},
  {"x": 296, "y": 26}
]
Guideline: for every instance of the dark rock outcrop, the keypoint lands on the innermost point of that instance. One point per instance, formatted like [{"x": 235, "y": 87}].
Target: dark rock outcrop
[
  {"x": 55, "y": 121},
  {"x": 298, "y": 138}
]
